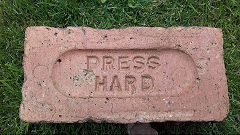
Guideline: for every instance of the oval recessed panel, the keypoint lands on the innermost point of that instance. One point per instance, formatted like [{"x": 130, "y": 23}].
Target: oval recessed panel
[{"x": 123, "y": 73}]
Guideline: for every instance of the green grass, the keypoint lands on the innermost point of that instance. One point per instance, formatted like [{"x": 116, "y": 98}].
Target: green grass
[{"x": 16, "y": 15}]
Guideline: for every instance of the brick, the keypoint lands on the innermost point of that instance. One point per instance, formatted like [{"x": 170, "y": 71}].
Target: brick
[{"x": 127, "y": 75}]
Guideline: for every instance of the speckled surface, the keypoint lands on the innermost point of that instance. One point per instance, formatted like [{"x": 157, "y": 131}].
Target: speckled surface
[{"x": 127, "y": 75}]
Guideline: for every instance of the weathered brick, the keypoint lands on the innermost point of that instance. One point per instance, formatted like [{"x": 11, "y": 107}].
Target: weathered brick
[{"x": 124, "y": 75}]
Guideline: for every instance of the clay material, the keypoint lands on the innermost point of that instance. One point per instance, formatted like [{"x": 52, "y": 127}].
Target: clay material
[{"x": 127, "y": 75}]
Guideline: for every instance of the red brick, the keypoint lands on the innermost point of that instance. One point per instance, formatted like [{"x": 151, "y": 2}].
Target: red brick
[{"x": 124, "y": 75}]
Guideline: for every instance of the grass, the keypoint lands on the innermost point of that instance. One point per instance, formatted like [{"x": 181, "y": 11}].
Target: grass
[{"x": 16, "y": 15}]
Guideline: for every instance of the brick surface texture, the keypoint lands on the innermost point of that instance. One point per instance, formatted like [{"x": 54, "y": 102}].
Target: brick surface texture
[{"x": 136, "y": 74}]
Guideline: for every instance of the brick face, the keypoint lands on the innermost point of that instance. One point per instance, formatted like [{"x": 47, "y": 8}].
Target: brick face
[{"x": 124, "y": 75}]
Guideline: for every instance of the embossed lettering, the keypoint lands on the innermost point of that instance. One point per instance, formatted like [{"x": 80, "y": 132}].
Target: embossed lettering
[
  {"x": 153, "y": 62},
  {"x": 92, "y": 62},
  {"x": 147, "y": 82},
  {"x": 123, "y": 63},
  {"x": 108, "y": 63},
  {"x": 115, "y": 84},
  {"x": 130, "y": 83},
  {"x": 102, "y": 83},
  {"x": 138, "y": 62},
  {"x": 122, "y": 73}
]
